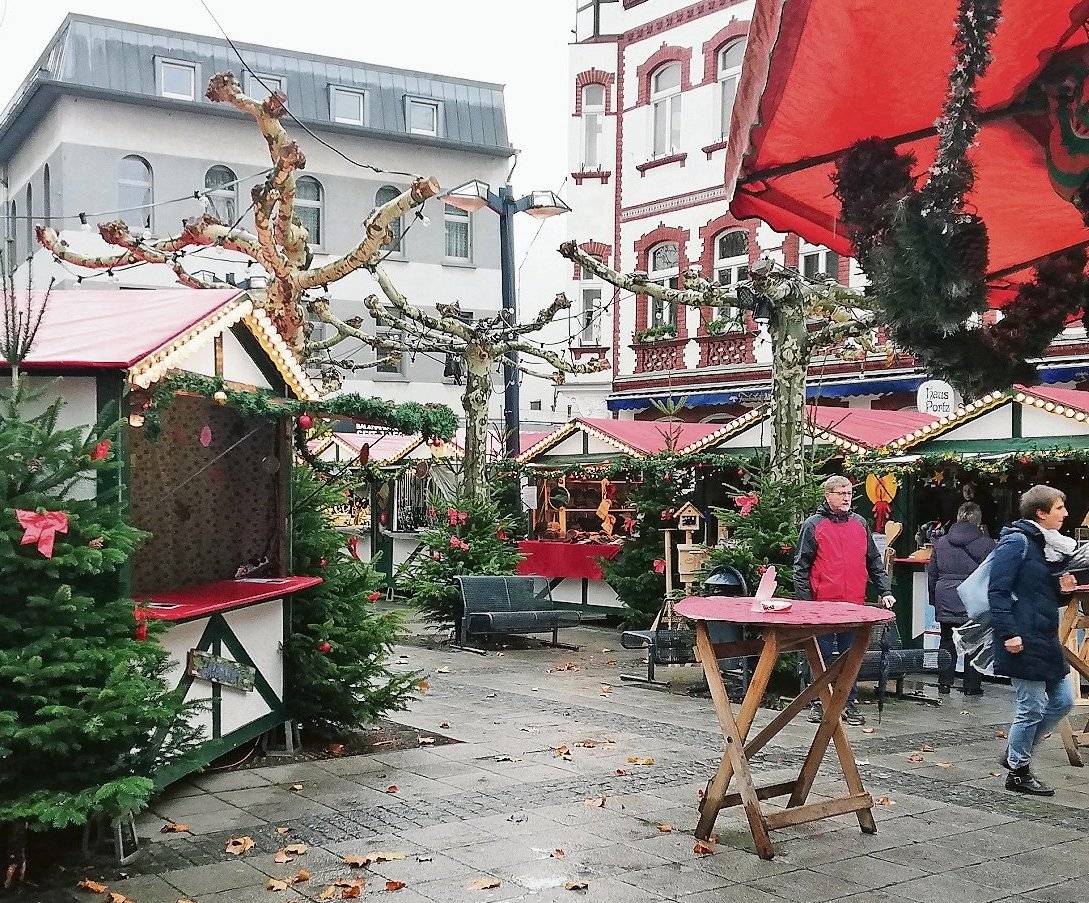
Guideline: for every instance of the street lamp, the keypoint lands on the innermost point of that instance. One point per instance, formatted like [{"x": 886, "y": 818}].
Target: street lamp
[{"x": 476, "y": 195}]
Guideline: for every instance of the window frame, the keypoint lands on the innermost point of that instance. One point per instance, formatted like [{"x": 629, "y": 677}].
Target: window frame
[
  {"x": 228, "y": 194},
  {"x": 724, "y": 75},
  {"x": 250, "y": 81},
  {"x": 318, "y": 205},
  {"x": 361, "y": 93},
  {"x": 670, "y": 277},
  {"x": 192, "y": 66},
  {"x": 807, "y": 251},
  {"x": 591, "y": 114},
  {"x": 669, "y": 101},
  {"x": 393, "y": 248},
  {"x": 29, "y": 218},
  {"x": 149, "y": 219},
  {"x": 436, "y": 105},
  {"x": 733, "y": 263},
  {"x": 449, "y": 214}
]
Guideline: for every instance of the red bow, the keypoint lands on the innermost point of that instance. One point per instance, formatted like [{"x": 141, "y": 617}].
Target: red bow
[
  {"x": 881, "y": 512},
  {"x": 100, "y": 451},
  {"x": 746, "y": 503},
  {"x": 353, "y": 547},
  {"x": 456, "y": 517},
  {"x": 42, "y": 528},
  {"x": 659, "y": 565}
]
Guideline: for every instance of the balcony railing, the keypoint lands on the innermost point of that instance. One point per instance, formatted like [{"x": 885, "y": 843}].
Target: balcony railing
[
  {"x": 726, "y": 350},
  {"x": 659, "y": 355}
]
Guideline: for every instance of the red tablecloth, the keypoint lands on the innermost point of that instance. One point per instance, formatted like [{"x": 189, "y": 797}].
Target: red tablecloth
[
  {"x": 564, "y": 559},
  {"x": 735, "y": 610},
  {"x": 191, "y": 602}
]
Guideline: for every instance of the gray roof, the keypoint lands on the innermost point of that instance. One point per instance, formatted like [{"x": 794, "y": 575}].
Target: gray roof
[{"x": 117, "y": 60}]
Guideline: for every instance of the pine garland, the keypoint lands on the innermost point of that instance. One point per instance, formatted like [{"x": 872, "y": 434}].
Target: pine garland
[
  {"x": 987, "y": 466},
  {"x": 410, "y": 418}
]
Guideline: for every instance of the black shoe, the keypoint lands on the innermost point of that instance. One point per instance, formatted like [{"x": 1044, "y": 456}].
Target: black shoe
[
  {"x": 816, "y": 713},
  {"x": 972, "y": 691},
  {"x": 1021, "y": 780},
  {"x": 943, "y": 689},
  {"x": 852, "y": 715},
  {"x": 1004, "y": 759}
]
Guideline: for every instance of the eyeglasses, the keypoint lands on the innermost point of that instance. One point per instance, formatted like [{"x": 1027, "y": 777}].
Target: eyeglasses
[{"x": 846, "y": 493}]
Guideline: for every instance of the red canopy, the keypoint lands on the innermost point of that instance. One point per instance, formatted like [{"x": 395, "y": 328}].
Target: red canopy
[
  {"x": 820, "y": 75},
  {"x": 869, "y": 427}
]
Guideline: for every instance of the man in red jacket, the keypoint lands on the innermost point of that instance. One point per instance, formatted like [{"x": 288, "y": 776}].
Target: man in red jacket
[{"x": 836, "y": 556}]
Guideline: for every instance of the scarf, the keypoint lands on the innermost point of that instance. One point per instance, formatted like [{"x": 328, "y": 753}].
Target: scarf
[{"x": 1056, "y": 546}]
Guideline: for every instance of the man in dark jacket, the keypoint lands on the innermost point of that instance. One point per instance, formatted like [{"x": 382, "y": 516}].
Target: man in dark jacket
[
  {"x": 955, "y": 556},
  {"x": 1024, "y": 596},
  {"x": 836, "y": 556}
]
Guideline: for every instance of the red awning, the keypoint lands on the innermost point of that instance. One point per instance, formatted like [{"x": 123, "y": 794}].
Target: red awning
[
  {"x": 820, "y": 75},
  {"x": 867, "y": 426}
]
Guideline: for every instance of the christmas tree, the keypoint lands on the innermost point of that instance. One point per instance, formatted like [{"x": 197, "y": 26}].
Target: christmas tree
[
  {"x": 469, "y": 536},
  {"x": 85, "y": 719},
  {"x": 338, "y": 677}
]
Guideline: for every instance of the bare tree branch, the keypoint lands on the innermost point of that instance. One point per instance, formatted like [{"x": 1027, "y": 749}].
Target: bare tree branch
[
  {"x": 528, "y": 348},
  {"x": 447, "y": 325},
  {"x": 637, "y": 283},
  {"x": 546, "y": 316}
]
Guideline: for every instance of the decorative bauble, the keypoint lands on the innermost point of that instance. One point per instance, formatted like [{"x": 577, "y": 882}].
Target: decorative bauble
[
  {"x": 374, "y": 597},
  {"x": 220, "y": 397},
  {"x": 325, "y": 647},
  {"x": 305, "y": 421}
]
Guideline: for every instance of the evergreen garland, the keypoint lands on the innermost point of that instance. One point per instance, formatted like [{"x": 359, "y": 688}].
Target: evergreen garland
[
  {"x": 410, "y": 418},
  {"x": 980, "y": 465}
]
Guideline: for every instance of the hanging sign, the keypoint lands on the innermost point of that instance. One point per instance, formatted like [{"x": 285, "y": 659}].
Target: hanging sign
[
  {"x": 219, "y": 670},
  {"x": 936, "y": 397}
]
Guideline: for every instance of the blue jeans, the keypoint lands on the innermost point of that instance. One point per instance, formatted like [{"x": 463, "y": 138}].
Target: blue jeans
[
  {"x": 836, "y": 643},
  {"x": 1040, "y": 706}
]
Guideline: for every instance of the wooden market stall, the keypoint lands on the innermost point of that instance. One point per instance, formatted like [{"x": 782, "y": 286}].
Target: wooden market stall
[{"x": 580, "y": 516}]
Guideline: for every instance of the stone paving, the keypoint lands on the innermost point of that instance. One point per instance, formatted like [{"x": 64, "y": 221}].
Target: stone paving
[{"x": 496, "y": 807}]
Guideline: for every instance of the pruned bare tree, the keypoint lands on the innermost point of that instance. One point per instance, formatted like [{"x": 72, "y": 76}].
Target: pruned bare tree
[
  {"x": 804, "y": 319},
  {"x": 296, "y": 292}
]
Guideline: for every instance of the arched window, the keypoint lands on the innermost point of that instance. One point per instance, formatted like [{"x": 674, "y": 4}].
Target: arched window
[
  {"x": 665, "y": 100},
  {"x": 593, "y": 123},
  {"x": 13, "y": 218},
  {"x": 47, "y": 197},
  {"x": 308, "y": 204},
  {"x": 222, "y": 193},
  {"x": 386, "y": 194},
  {"x": 588, "y": 319},
  {"x": 731, "y": 265},
  {"x": 729, "y": 73},
  {"x": 29, "y": 219},
  {"x": 664, "y": 269},
  {"x": 135, "y": 192}
]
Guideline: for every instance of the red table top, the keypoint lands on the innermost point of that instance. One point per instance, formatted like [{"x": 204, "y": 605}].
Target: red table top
[
  {"x": 199, "y": 601},
  {"x": 735, "y": 610},
  {"x": 571, "y": 560}
]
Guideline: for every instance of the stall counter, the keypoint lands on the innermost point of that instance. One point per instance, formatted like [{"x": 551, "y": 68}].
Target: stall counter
[{"x": 573, "y": 570}]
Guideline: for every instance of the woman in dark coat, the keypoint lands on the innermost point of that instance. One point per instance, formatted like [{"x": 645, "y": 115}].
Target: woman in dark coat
[
  {"x": 1024, "y": 596},
  {"x": 955, "y": 556}
]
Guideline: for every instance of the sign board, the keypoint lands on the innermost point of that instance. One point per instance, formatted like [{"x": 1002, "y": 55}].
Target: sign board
[
  {"x": 219, "y": 670},
  {"x": 936, "y": 397}
]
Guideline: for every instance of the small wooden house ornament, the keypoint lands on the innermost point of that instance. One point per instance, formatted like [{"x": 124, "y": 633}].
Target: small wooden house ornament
[{"x": 689, "y": 520}]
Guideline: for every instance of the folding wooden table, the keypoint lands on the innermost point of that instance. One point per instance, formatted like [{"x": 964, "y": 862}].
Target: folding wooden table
[
  {"x": 1074, "y": 635},
  {"x": 781, "y": 632}
]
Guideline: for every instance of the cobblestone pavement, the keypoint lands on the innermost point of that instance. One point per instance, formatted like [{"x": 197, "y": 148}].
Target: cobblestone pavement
[{"x": 543, "y": 766}]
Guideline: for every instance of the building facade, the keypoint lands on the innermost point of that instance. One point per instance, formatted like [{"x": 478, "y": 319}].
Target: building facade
[
  {"x": 112, "y": 123},
  {"x": 652, "y": 85}
]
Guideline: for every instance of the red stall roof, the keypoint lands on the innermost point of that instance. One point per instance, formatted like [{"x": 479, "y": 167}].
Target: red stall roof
[
  {"x": 820, "y": 75},
  {"x": 871, "y": 428},
  {"x": 115, "y": 329},
  {"x": 629, "y": 437}
]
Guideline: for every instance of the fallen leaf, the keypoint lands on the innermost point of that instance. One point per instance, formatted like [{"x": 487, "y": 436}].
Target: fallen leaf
[
  {"x": 296, "y": 849},
  {"x": 640, "y": 760},
  {"x": 561, "y": 752},
  {"x": 926, "y": 747},
  {"x": 300, "y": 876},
  {"x": 296, "y": 788},
  {"x": 566, "y": 666},
  {"x": 885, "y": 801},
  {"x": 173, "y": 827},
  {"x": 336, "y": 749},
  {"x": 1001, "y": 735},
  {"x": 282, "y": 857},
  {"x": 394, "y": 885},
  {"x": 393, "y": 788},
  {"x": 329, "y": 892},
  {"x": 426, "y": 741},
  {"x": 236, "y": 846},
  {"x": 665, "y": 829},
  {"x": 558, "y": 854},
  {"x": 621, "y": 772},
  {"x": 350, "y": 893},
  {"x": 423, "y": 686},
  {"x": 704, "y": 847},
  {"x": 944, "y": 764},
  {"x": 276, "y": 884},
  {"x": 443, "y": 670},
  {"x": 612, "y": 663},
  {"x": 576, "y": 885},
  {"x": 282, "y": 830},
  {"x": 916, "y": 757},
  {"x": 485, "y": 883},
  {"x": 115, "y": 897},
  {"x": 606, "y": 689},
  {"x": 597, "y": 802},
  {"x": 868, "y": 730},
  {"x": 357, "y": 861},
  {"x": 444, "y": 725},
  {"x": 92, "y": 887}
]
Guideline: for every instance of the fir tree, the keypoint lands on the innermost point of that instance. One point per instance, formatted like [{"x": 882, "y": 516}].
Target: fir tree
[
  {"x": 338, "y": 676},
  {"x": 469, "y": 536}
]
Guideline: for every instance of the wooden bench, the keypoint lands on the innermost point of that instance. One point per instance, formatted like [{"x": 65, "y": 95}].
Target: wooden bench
[{"x": 500, "y": 606}]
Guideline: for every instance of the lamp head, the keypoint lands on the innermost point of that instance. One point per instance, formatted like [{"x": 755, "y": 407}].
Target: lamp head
[
  {"x": 470, "y": 197},
  {"x": 543, "y": 204}
]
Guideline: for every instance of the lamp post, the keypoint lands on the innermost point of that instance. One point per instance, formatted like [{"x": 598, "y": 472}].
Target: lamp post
[{"x": 476, "y": 195}]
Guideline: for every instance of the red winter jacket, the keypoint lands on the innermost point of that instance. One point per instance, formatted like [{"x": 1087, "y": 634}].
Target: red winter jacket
[{"x": 836, "y": 555}]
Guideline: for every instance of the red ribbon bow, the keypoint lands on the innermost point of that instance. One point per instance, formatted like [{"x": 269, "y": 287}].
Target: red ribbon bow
[
  {"x": 746, "y": 503},
  {"x": 100, "y": 451},
  {"x": 881, "y": 512},
  {"x": 455, "y": 517},
  {"x": 42, "y": 528}
]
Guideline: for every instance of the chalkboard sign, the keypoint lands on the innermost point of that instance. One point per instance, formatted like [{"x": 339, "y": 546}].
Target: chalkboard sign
[{"x": 219, "y": 670}]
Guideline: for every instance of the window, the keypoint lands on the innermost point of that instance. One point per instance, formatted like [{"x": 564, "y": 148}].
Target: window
[
  {"x": 135, "y": 192},
  {"x": 384, "y": 196},
  {"x": 13, "y": 218},
  {"x": 222, "y": 193},
  {"x": 818, "y": 263},
  {"x": 593, "y": 120},
  {"x": 459, "y": 244},
  {"x": 590, "y": 316},
  {"x": 535, "y": 406},
  {"x": 665, "y": 99},
  {"x": 308, "y": 203},
  {"x": 664, "y": 270},
  {"x": 29, "y": 219},
  {"x": 348, "y": 106},
  {"x": 47, "y": 199},
  {"x": 390, "y": 361},
  {"x": 177, "y": 80},
  {"x": 731, "y": 265},
  {"x": 422, "y": 117},
  {"x": 259, "y": 86},
  {"x": 729, "y": 73}
]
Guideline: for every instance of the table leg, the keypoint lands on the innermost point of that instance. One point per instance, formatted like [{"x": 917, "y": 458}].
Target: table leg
[
  {"x": 831, "y": 728},
  {"x": 735, "y": 751}
]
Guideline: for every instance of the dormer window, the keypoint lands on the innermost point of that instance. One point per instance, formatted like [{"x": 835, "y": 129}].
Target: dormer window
[
  {"x": 348, "y": 106},
  {"x": 260, "y": 86},
  {"x": 422, "y": 116},
  {"x": 177, "y": 79}
]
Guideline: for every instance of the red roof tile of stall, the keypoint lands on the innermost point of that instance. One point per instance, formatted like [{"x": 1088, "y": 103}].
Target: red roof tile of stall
[
  {"x": 650, "y": 436},
  {"x": 866, "y": 426},
  {"x": 113, "y": 330},
  {"x": 1071, "y": 398}
]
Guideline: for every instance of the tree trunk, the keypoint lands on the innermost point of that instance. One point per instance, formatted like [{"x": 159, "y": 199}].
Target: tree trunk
[
  {"x": 479, "y": 364},
  {"x": 789, "y": 363},
  {"x": 13, "y": 851}
]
